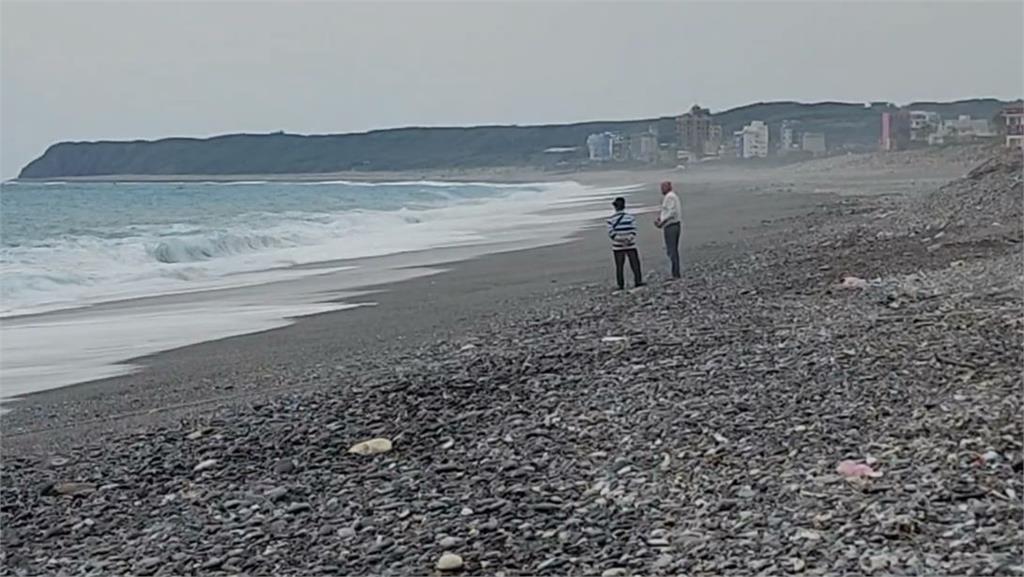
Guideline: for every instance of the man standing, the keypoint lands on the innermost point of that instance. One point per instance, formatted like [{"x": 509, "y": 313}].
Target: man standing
[
  {"x": 622, "y": 231},
  {"x": 670, "y": 221}
]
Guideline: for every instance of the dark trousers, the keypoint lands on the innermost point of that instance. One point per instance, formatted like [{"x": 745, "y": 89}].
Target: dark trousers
[
  {"x": 672, "y": 246},
  {"x": 634, "y": 265}
]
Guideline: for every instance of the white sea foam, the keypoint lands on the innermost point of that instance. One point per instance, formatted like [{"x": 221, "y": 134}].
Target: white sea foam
[
  {"x": 139, "y": 259},
  {"x": 132, "y": 253}
]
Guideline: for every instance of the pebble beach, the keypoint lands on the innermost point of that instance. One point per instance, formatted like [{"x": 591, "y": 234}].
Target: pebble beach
[{"x": 837, "y": 390}]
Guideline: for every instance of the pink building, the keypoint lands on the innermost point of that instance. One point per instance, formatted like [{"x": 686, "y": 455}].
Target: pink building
[{"x": 886, "y": 131}]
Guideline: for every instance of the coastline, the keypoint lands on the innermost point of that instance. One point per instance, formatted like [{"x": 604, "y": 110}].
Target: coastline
[
  {"x": 209, "y": 370},
  {"x": 542, "y": 423},
  {"x": 942, "y": 164}
]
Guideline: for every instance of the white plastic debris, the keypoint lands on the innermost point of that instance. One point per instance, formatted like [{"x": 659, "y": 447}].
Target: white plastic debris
[{"x": 853, "y": 282}]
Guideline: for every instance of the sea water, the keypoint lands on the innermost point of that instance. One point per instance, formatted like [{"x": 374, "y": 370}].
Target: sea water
[
  {"x": 68, "y": 248},
  {"x": 69, "y": 245}
]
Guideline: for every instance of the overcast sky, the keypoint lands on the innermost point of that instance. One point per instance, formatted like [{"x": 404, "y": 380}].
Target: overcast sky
[{"x": 119, "y": 70}]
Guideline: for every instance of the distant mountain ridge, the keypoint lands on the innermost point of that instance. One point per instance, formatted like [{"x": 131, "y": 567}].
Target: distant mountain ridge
[{"x": 417, "y": 148}]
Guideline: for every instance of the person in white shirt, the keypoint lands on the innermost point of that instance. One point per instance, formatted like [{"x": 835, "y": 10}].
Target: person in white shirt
[{"x": 670, "y": 221}]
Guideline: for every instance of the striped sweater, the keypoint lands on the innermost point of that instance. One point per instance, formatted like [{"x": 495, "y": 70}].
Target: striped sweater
[{"x": 622, "y": 230}]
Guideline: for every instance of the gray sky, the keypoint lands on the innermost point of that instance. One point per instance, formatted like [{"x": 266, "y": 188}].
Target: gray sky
[{"x": 118, "y": 70}]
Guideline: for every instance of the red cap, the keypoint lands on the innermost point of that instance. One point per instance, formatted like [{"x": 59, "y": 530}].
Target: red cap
[{"x": 666, "y": 187}]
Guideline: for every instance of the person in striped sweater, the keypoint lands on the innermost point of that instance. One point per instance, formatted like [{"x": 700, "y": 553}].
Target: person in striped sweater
[{"x": 622, "y": 232}]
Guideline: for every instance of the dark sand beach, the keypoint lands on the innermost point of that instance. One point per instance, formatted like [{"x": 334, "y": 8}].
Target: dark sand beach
[{"x": 543, "y": 424}]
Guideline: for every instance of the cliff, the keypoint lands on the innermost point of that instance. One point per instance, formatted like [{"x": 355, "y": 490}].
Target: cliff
[{"x": 423, "y": 148}]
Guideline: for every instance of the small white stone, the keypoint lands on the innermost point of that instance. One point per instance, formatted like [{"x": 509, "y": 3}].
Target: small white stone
[
  {"x": 371, "y": 447},
  {"x": 449, "y": 562}
]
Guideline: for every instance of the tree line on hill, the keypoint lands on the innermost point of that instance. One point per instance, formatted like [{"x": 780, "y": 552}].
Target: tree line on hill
[{"x": 848, "y": 124}]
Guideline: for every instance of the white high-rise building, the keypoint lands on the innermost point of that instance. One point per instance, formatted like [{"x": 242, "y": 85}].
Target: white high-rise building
[
  {"x": 752, "y": 141},
  {"x": 600, "y": 146}
]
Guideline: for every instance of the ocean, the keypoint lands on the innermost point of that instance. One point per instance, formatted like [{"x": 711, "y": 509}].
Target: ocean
[{"x": 81, "y": 263}]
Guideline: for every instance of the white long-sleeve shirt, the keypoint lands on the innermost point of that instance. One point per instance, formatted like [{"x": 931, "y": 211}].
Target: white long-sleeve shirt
[{"x": 670, "y": 210}]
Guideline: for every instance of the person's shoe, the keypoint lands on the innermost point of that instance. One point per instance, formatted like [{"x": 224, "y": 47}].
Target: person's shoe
[{"x": 638, "y": 285}]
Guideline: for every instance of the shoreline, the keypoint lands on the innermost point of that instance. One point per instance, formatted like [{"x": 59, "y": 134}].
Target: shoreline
[
  {"x": 714, "y": 426},
  {"x": 713, "y": 432},
  {"x": 138, "y": 326},
  {"x": 580, "y": 259}
]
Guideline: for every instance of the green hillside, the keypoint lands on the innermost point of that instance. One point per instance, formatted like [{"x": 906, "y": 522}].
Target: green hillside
[{"x": 427, "y": 148}]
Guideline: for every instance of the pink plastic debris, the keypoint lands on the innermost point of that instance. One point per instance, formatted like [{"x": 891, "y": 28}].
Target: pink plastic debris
[{"x": 853, "y": 469}]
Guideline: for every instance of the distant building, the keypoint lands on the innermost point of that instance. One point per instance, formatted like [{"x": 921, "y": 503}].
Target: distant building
[
  {"x": 787, "y": 138},
  {"x": 895, "y": 130},
  {"x": 620, "y": 148},
  {"x": 697, "y": 132},
  {"x": 713, "y": 145},
  {"x": 1012, "y": 118},
  {"x": 965, "y": 126},
  {"x": 962, "y": 129},
  {"x": 922, "y": 124},
  {"x": 599, "y": 146},
  {"x": 813, "y": 142},
  {"x": 752, "y": 140},
  {"x": 643, "y": 147},
  {"x": 667, "y": 154}
]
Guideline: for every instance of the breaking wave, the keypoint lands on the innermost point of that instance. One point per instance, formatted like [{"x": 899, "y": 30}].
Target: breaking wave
[{"x": 78, "y": 244}]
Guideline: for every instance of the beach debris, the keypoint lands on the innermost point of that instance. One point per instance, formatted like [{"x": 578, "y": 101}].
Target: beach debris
[
  {"x": 204, "y": 465},
  {"x": 852, "y": 282},
  {"x": 371, "y": 447},
  {"x": 614, "y": 339},
  {"x": 615, "y": 572},
  {"x": 449, "y": 562},
  {"x": 855, "y": 470},
  {"x": 58, "y": 461}
]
